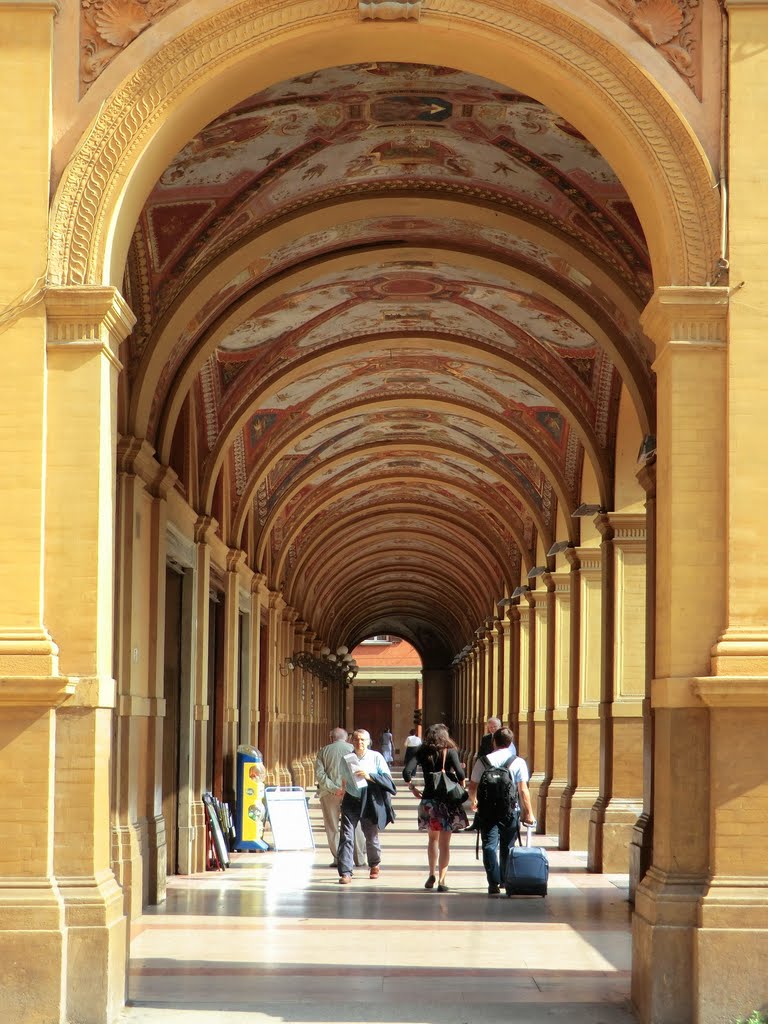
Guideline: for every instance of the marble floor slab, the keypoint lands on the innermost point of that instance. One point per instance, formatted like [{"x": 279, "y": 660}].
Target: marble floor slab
[{"x": 275, "y": 938}]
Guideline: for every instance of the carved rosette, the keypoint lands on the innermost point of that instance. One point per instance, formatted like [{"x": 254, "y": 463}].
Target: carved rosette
[
  {"x": 108, "y": 26},
  {"x": 390, "y": 10}
]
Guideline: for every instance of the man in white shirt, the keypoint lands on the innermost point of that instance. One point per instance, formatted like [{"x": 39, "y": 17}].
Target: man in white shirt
[
  {"x": 328, "y": 774},
  {"x": 367, "y": 785},
  {"x": 498, "y": 830}
]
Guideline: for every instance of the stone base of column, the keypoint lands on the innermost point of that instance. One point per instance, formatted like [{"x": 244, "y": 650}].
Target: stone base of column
[
  {"x": 557, "y": 788},
  {"x": 564, "y": 830},
  {"x": 128, "y": 845},
  {"x": 32, "y": 940},
  {"x": 309, "y": 772},
  {"x": 582, "y": 802},
  {"x": 732, "y": 942},
  {"x": 192, "y": 851},
  {"x": 663, "y": 938},
  {"x": 297, "y": 774},
  {"x": 96, "y": 943},
  {"x": 611, "y": 828},
  {"x": 543, "y": 805},
  {"x": 157, "y": 860},
  {"x": 640, "y": 853}
]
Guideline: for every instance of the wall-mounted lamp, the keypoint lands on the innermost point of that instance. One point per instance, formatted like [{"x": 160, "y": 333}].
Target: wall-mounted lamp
[
  {"x": 519, "y": 591},
  {"x": 558, "y": 547},
  {"x": 647, "y": 448},
  {"x": 586, "y": 509},
  {"x": 287, "y": 668},
  {"x": 537, "y": 570},
  {"x": 505, "y": 602}
]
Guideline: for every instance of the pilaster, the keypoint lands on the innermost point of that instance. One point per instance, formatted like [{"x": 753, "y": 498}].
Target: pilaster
[
  {"x": 541, "y": 713},
  {"x": 562, "y": 586},
  {"x": 583, "y": 720},
  {"x": 526, "y": 680},
  {"x": 619, "y": 803},
  {"x": 689, "y": 328},
  {"x": 85, "y": 327}
]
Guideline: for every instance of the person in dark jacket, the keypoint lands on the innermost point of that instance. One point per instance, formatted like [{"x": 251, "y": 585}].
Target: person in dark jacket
[
  {"x": 368, "y": 788},
  {"x": 438, "y": 819}
]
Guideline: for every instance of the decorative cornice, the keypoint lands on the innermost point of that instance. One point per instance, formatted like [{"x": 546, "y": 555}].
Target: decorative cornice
[
  {"x": 84, "y": 207},
  {"x": 35, "y": 691},
  {"x": 390, "y": 10}
]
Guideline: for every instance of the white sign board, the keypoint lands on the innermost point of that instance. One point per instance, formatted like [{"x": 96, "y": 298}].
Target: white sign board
[{"x": 288, "y": 815}]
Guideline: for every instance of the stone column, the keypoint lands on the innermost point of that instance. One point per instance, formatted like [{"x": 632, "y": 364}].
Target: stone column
[
  {"x": 85, "y": 329},
  {"x": 311, "y": 742},
  {"x": 231, "y": 672},
  {"x": 298, "y": 681},
  {"x": 688, "y": 326},
  {"x": 512, "y": 688},
  {"x": 583, "y": 712},
  {"x": 139, "y": 857},
  {"x": 561, "y": 583},
  {"x": 527, "y": 679},
  {"x": 619, "y": 804},
  {"x": 641, "y": 844},
  {"x": 258, "y": 601},
  {"x": 33, "y": 932},
  {"x": 543, "y": 697},
  {"x": 273, "y": 711}
]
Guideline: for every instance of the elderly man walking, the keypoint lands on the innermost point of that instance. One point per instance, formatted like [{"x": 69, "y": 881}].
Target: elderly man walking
[
  {"x": 368, "y": 787},
  {"x": 328, "y": 775}
]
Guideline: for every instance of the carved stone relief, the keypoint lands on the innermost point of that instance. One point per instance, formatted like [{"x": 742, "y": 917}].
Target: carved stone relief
[
  {"x": 672, "y": 26},
  {"x": 108, "y": 26},
  {"x": 390, "y": 10}
]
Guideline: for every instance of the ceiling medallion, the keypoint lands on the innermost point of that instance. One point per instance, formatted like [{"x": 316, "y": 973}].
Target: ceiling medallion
[{"x": 390, "y": 10}]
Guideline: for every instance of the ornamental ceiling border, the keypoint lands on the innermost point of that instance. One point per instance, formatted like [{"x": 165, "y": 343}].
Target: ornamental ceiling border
[{"x": 85, "y": 200}]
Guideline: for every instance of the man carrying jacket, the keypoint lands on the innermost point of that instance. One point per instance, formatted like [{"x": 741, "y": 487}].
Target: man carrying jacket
[{"x": 368, "y": 786}]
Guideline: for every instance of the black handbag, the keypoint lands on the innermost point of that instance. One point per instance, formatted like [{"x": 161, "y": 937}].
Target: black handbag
[{"x": 446, "y": 789}]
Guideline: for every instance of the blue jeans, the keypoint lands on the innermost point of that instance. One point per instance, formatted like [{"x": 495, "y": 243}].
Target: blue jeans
[{"x": 496, "y": 840}]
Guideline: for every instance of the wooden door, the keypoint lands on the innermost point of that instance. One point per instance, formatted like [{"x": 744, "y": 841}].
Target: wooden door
[{"x": 373, "y": 711}]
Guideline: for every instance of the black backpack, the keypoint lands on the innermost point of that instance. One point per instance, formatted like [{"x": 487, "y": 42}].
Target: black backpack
[{"x": 497, "y": 794}]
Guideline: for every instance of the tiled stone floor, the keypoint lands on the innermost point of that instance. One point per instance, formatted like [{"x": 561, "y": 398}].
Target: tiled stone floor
[{"x": 276, "y": 938}]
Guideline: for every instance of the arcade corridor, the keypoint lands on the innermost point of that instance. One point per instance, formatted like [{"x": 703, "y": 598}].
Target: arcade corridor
[{"x": 276, "y": 939}]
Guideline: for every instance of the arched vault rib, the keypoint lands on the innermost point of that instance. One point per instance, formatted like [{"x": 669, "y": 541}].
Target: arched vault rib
[
  {"x": 303, "y": 479},
  {"x": 382, "y": 480},
  {"x": 611, "y": 99},
  {"x": 447, "y": 544},
  {"x": 347, "y": 526},
  {"x": 393, "y": 603},
  {"x": 564, "y": 401},
  {"x": 392, "y": 556},
  {"x": 497, "y": 422},
  {"x": 632, "y": 372}
]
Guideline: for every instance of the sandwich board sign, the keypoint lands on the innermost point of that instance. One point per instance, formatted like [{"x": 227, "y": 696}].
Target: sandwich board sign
[{"x": 288, "y": 815}]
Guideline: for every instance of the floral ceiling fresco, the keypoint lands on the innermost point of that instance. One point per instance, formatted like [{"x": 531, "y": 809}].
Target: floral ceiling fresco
[{"x": 382, "y": 287}]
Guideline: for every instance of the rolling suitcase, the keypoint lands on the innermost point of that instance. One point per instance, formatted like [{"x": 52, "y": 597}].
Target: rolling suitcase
[{"x": 527, "y": 869}]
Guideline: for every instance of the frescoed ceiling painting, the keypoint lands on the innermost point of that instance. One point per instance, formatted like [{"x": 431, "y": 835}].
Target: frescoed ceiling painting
[{"x": 389, "y": 294}]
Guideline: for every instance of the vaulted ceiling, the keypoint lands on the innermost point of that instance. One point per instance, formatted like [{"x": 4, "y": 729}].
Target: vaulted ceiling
[{"x": 389, "y": 309}]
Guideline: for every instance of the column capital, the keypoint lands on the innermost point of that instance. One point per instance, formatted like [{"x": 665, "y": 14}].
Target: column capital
[
  {"x": 646, "y": 477},
  {"x": 690, "y": 317},
  {"x": 235, "y": 558},
  {"x": 205, "y": 527},
  {"x": 585, "y": 560},
  {"x": 258, "y": 583},
  {"x": 561, "y": 584},
  {"x": 623, "y": 528},
  {"x": 88, "y": 317},
  {"x": 136, "y": 456}
]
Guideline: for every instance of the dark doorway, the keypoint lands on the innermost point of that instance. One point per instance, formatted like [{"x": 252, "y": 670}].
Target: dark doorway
[{"x": 373, "y": 711}]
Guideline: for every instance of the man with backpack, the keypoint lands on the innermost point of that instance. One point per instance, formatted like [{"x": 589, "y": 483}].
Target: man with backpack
[{"x": 498, "y": 787}]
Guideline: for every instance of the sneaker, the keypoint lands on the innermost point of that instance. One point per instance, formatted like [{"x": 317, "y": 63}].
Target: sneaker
[
  {"x": 494, "y": 890},
  {"x": 374, "y": 871},
  {"x": 345, "y": 879}
]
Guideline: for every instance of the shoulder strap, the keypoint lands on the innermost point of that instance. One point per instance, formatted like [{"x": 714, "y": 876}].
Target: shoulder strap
[
  {"x": 485, "y": 762},
  {"x": 509, "y": 761}
]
